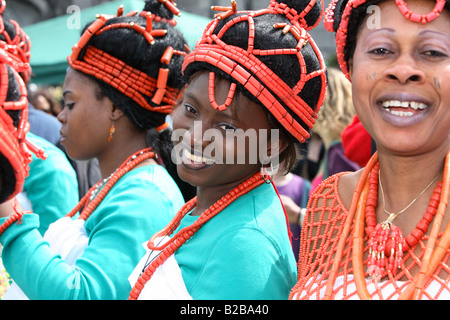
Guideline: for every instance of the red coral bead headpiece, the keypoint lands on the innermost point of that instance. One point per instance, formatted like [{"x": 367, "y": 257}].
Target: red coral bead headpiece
[
  {"x": 132, "y": 82},
  {"x": 244, "y": 66}
]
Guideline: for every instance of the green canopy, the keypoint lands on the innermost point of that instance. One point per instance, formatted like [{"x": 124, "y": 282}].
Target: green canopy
[{"x": 52, "y": 40}]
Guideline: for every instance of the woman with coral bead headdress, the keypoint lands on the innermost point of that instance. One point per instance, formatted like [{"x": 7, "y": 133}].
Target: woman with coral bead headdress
[
  {"x": 124, "y": 78},
  {"x": 264, "y": 75},
  {"x": 383, "y": 232}
]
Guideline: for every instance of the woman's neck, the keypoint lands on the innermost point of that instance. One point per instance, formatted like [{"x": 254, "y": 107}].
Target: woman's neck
[{"x": 115, "y": 156}]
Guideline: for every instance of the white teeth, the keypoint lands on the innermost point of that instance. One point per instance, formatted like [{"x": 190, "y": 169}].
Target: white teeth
[
  {"x": 404, "y": 104},
  {"x": 418, "y": 105},
  {"x": 195, "y": 158},
  {"x": 401, "y": 113}
]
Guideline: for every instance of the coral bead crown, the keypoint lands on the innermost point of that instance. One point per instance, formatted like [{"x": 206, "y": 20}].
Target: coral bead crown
[
  {"x": 245, "y": 67},
  {"x": 128, "y": 80},
  {"x": 14, "y": 146}
]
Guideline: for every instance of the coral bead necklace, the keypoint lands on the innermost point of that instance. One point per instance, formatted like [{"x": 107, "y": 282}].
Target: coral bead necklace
[
  {"x": 386, "y": 243},
  {"x": 97, "y": 192},
  {"x": 434, "y": 250},
  {"x": 169, "y": 248}
]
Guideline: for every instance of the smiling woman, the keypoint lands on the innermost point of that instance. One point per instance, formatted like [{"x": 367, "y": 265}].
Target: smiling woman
[
  {"x": 263, "y": 72},
  {"x": 392, "y": 235}
]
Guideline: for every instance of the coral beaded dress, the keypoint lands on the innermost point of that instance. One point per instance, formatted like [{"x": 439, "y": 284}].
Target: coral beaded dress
[{"x": 333, "y": 261}]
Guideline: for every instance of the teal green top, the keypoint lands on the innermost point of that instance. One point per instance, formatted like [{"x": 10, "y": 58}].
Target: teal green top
[
  {"x": 51, "y": 185},
  {"x": 141, "y": 203},
  {"x": 242, "y": 253}
]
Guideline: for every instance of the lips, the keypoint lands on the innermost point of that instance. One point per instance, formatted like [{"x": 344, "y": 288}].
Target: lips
[
  {"x": 395, "y": 106},
  {"x": 403, "y": 104},
  {"x": 62, "y": 137}
]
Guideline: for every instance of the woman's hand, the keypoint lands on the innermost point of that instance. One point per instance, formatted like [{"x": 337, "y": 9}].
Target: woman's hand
[{"x": 294, "y": 213}]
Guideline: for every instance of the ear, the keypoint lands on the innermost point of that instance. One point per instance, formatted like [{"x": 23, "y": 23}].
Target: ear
[
  {"x": 276, "y": 149},
  {"x": 116, "y": 113},
  {"x": 350, "y": 67}
]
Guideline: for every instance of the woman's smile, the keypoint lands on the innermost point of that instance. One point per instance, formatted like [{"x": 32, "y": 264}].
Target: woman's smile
[{"x": 194, "y": 161}]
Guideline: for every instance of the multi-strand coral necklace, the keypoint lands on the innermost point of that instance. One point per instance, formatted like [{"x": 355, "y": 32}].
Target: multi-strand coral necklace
[{"x": 388, "y": 253}]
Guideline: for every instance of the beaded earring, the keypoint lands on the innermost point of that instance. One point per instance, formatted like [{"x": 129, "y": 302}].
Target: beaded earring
[
  {"x": 112, "y": 129},
  {"x": 341, "y": 33},
  {"x": 267, "y": 172}
]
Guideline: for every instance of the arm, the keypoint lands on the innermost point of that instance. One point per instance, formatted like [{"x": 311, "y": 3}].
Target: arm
[
  {"x": 52, "y": 187},
  {"x": 116, "y": 231},
  {"x": 295, "y": 213}
]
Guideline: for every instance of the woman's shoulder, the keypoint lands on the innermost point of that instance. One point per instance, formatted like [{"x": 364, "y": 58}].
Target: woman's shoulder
[
  {"x": 339, "y": 186},
  {"x": 151, "y": 184}
]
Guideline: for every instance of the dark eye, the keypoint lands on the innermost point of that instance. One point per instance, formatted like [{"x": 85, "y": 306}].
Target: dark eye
[
  {"x": 380, "y": 51},
  {"x": 434, "y": 54},
  {"x": 69, "y": 105},
  {"x": 226, "y": 126},
  {"x": 190, "y": 109}
]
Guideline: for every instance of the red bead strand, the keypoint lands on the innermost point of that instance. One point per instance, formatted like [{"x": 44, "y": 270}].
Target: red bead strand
[{"x": 87, "y": 206}]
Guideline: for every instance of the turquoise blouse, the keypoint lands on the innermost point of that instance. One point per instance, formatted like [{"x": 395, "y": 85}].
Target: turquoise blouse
[{"x": 141, "y": 203}]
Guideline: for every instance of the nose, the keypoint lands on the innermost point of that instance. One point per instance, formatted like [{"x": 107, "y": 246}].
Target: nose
[
  {"x": 198, "y": 134},
  {"x": 404, "y": 70},
  {"x": 62, "y": 115}
]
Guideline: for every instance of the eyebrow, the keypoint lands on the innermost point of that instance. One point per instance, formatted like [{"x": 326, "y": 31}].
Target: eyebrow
[
  {"x": 432, "y": 32},
  {"x": 379, "y": 30},
  {"x": 66, "y": 92}
]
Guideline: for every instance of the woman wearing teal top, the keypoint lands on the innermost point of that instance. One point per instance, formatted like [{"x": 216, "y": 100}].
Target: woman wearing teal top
[
  {"x": 244, "y": 98},
  {"x": 141, "y": 200},
  {"x": 113, "y": 95}
]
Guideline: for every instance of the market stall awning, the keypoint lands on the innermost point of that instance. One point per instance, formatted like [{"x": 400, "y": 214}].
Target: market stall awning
[{"x": 52, "y": 40}]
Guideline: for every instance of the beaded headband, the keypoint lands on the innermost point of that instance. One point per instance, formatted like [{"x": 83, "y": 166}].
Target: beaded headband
[
  {"x": 126, "y": 79},
  {"x": 245, "y": 67},
  {"x": 18, "y": 48},
  {"x": 341, "y": 33}
]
